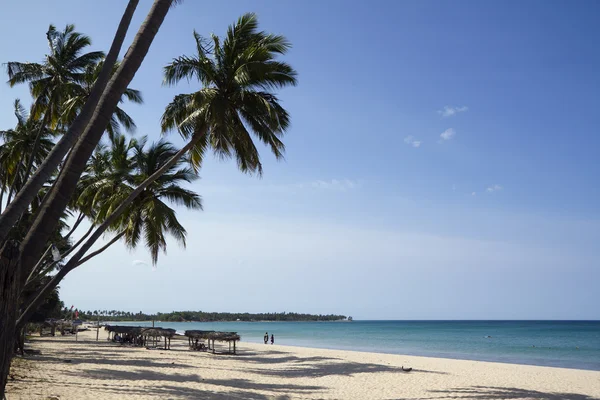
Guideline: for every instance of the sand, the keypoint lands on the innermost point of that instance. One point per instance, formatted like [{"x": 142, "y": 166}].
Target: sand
[{"x": 87, "y": 369}]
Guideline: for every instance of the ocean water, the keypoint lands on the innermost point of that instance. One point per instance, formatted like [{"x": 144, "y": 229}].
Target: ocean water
[{"x": 567, "y": 344}]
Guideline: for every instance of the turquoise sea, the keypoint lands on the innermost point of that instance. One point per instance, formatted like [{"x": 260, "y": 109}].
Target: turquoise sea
[{"x": 568, "y": 344}]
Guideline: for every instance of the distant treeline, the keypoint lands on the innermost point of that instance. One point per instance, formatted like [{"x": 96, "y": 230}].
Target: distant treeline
[{"x": 201, "y": 316}]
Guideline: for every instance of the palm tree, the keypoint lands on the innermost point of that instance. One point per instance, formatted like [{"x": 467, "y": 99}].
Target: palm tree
[
  {"x": 57, "y": 78},
  {"x": 64, "y": 188},
  {"x": 126, "y": 165},
  {"x": 87, "y": 131},
  {"x": 88, "y": 128},
  {"x": 238, "y": 75},
  {"x": 73, "y": 133},
  {"x": 17, "y": 143}
]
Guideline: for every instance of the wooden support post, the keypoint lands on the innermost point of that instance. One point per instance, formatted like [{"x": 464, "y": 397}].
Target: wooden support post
[
  {"x": 97, "y": 328},
  {"x": 234, "y": 347}
]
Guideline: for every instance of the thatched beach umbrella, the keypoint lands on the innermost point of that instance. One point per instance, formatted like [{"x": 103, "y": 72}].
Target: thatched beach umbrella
[
  {"x": 157, "y": 333},
  {"x": 229, "y": 337}
]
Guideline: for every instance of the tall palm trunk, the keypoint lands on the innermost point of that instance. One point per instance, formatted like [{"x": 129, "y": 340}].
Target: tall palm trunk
[
  {"x": 9, "y": 298},
  {"x": 32, "y": 187},
  {"x": 77, "y": 260},
  {"x": 11, "y": 270},
  {"x": 57, "y": 200}
]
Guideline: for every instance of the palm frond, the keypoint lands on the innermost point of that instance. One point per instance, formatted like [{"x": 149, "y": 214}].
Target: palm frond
[
  {"x": 124, "y": 119},
  {"x": 181, "y": 197},
  {"x": 91, "y": 58},
  {"x": 175, "y": 112},
  {"x": 135, "y": 96},
  {"x": 23, "y": 72},
  {"x": 20, "y": 112}
]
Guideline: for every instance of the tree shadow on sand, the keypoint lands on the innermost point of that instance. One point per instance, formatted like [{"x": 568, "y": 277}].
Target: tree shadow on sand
[
  {"x": 165, "y": 391},
  {"x": 140, "y": 374},
  {"x": 287, "y": 359},
  {"x": 250, "y": 385},
  {"x": 506, "y": 393},
  {"x": 106, "y": 380},
  {"x": 136, "y": 362},
  {"x": 174, "y": 392},
  {"x": 318, "y": 369}
]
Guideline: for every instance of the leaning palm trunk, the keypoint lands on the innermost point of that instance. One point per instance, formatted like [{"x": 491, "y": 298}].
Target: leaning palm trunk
[
  {"x": 32, "y": 186},
  {"x": 77, "y": 258},
  {"x": 12, "y": 273},
  {"x": 57, "y": 200}
]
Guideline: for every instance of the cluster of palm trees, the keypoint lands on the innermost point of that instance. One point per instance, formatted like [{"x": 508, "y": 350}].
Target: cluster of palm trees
[
  {"x": 71, "y": 161},
  {"x": 109, "y": 313}
]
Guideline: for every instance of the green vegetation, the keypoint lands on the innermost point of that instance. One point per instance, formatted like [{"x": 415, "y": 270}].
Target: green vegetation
[{"x": 201, "y": 316}]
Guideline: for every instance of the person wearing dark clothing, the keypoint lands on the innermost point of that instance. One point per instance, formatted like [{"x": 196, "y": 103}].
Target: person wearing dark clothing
[
  {"x": 266, "y": 337},
  {"x": 272, "y": 339}
]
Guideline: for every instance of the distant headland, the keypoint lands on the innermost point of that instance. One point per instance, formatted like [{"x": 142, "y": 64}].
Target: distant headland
[{"x": 203, "y": 316}]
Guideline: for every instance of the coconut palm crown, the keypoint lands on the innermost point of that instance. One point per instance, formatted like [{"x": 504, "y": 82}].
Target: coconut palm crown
[{"x": 238, "y": 75}]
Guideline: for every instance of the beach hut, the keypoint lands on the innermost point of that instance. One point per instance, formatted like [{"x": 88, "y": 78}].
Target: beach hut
[
  {"x": 123, "y": 330},
  {"x": 134, "y": 332},
  {"x": 155, "y": 334},
  {"x": 142, "y": 336},
  {"x": 211, "y": 336},
  {"x": 48, "y": 327}
]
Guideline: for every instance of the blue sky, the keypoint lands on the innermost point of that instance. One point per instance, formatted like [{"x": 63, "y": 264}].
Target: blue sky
[{"x": 442, "y": 163}]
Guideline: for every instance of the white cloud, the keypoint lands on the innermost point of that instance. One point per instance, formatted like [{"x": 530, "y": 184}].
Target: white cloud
[
  {"x": 447, "y": 135},
  {"x": 412, "y": 141},
  {"x": 141, "y": 263},
  {"x": 494, "y": 188},
  {"x": 449, "y": 111},
  {"x": 473, "y": 194},
  {"x": 341, "y": 185},
  {"x": 333, "y": 184}
]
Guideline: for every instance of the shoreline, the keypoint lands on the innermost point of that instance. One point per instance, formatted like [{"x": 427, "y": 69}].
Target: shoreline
[
  {"x": 538, "y": 355},
  {"x": 433, "y": 357},
  {"x": 87, "y": 369}
]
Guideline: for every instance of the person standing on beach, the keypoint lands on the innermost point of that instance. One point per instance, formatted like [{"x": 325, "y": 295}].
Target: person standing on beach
[
  {"x": 272, "y": 339},
  {"x": 266, "y": 337}
]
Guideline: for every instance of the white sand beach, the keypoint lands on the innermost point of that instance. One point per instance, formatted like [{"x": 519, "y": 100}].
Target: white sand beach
[{"x": 87, "y": 369}]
